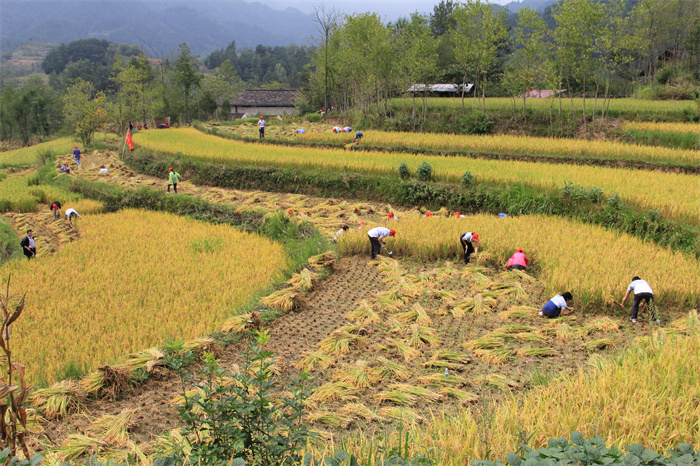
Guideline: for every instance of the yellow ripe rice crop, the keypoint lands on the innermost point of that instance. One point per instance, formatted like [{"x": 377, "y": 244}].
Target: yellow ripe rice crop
[
  {"x": 684, "y": 128},
  {"x": 638, "y": 397},
  {"x": 135, "y": 280},
  {"x": 520, "y": 146},
  {"x": 672, "y": 193},
  {"x": 629, "y": 109},
  {"x": 27, "y": 155},
  {"x": 17, "y": 195},
  {"x": 595, "y": 264}
]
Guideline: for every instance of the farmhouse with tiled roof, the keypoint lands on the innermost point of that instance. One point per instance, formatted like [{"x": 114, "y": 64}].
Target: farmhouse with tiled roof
[{"x": 252, "y": 102}]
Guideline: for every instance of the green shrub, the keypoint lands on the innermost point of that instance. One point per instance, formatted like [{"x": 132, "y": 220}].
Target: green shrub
[
  {"x": 313, "y": 117},
  {"x": 592, "y": 452},
  {"x": 244, "y": 420},
  {"x": 476, "y": 123},
  {"x": 467, "y": 179},
  {"x": 424, "y": 172},
  {"x": 404, "y": 172}
]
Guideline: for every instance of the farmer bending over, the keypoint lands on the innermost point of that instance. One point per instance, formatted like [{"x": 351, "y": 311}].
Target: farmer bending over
[
  {"x": 518, "y": 261},
  {"x": 376, "y": 238},
  {"x": 642, "y": 292},
  {"x": 465, "y": 241},
  {"x": 555, "y": 306}
]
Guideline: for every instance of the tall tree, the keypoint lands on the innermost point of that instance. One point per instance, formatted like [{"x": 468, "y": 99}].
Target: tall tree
[
  {"x": 579, "y": 23},
  {"x": 441, "y": 20},
  {"x": 186, "y": 75},
  {"x": 479, "y": 29},
  {"x": 84, "y": 109},
  {"x": 327, "y": 20},
  {"x": 531, "y": 52}
]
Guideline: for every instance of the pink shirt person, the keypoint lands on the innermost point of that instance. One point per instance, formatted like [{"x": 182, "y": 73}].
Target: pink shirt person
[{"x": 518, "y": 260}]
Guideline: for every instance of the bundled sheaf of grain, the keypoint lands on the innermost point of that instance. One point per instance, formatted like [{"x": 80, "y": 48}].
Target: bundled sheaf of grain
[
  {"x": 331, "y": 419},
  {"x": 114, "y": 428},
  {"x": 305, "y": 280},
  {"x": 439, "y": 380},
  {"x": 517, "y": 312},
  {"x": 595, "y": 345},
  {"x": 531, "y": 337},
  {"x": 461, "y": 395},
  {"x": 76, "y": 445},
  {"x": 536, "y": 352},
  {"x": 359, "y": 375},
  {"x": 404, "y": 415},
  {"x": 393, "y": 325},
  {"x": 390, "y": 302},
  {"x": 513, "y": 329},
  {"x": 495, "y": 380},
  {"x": 273, "y": 366},
  {"x": 421, "y": 335},
  {"x": 107, "y": 381},
  {"x": 204, "y": 344},
  {"x": 389, "y": 369},
  {"x": 397, "y": 397},
  {"x": 311, "y": 360},
  {"x": 485, "y": 342},
  {"x": 323, "y": 261},
  {"x": 451, "y": 356},
  {"x": 605, "y": 324},
  {"x": 390, "y": 268},
  {"x": 364, "y": 313},
  {"x": 58, "y": 400},
  {"x": 147, "y": 359},
  {"x": 494, "y": 356},
  {"x": 341, "y": 342},
  {"x": 236, "y": 324},
  {"x": 359, "y": 410},
  {"x": 287, "y": 299},
  {"x": 421, "y": 392},
  {"x": 334, "y": 391},
  {"x": 417, "y": 315}
]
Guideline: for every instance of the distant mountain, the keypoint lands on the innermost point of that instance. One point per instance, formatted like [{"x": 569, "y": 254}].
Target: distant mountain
[
  {"x": 538, "y": 5},
  {"x": 158, "y": 27}
]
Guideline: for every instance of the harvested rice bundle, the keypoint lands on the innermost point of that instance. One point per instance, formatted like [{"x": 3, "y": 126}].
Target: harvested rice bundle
[
  {"x": 461, "y": 395},
  {"x": 359, "y": 410},
  {"x": 364, "y": 313},
  {"x": 59, "y": 399},
  {"x": 314, "y": 360}
]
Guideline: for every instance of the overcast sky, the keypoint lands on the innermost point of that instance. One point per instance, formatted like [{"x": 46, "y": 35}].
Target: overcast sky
[{"x": 388, "y": 9}]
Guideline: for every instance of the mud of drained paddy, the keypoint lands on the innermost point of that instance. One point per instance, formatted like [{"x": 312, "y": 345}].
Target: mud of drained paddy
[{"x": 476, "y": 320}]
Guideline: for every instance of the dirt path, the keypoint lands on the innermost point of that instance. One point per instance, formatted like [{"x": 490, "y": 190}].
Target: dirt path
[
  {"x": 291, "y": 335},
  {"x": 50, "y": 233},
  {"x": 327, "y": 214}
]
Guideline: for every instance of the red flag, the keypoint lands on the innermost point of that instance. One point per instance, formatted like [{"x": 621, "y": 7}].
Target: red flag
[{"x": 129, "y": 142}]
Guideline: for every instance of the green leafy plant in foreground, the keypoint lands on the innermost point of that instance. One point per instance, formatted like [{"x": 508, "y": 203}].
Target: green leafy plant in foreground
[
  {"x": 582, "y": 452},
  {"x": 237, "y": 416}
]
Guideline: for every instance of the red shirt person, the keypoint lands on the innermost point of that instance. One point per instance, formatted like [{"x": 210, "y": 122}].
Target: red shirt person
[{"x": 518, "y": 260}]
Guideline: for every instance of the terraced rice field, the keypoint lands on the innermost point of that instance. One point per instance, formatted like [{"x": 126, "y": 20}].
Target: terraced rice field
[
  {"x": 135, "y": 279},
  {"x": 673, "y": 194}
]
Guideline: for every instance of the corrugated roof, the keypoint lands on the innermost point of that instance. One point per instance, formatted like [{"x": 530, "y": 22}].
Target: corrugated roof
[
  {"x": 265, "y": 98},
  {"x": 440, "y": 88}
]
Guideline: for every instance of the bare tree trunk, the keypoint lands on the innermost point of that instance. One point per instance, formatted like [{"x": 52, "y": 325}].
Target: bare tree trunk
[
  {"x": 464, "y": 85},
  {"x": 595, "y": 101}
]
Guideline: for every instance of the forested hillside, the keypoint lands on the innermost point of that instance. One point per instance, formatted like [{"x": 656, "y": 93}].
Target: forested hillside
[
  {"x": 597, "y": 51},
  {"x": 158, "y": 27}
]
